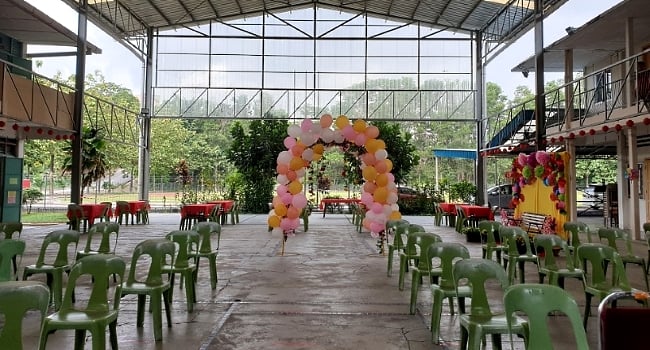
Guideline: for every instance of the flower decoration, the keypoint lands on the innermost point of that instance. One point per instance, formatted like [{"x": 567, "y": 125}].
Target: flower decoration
[
  {"x": 544, "y": 166},
  {"x": 631, "y": 174}
]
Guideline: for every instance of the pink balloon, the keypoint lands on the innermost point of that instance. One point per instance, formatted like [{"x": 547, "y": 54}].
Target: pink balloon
[
  {"x": 282, "y": 189},
  {"x": 299, "y": 200},
  {"x": 294, "y": 223},
  {"x": 326, "y": 120},
  {"x": 376, "y": 227},
  {"x": 286, "y": 198},
  {"x": 377, "y": 208},
  {"x": 349, "y": 133},
  {"x": 360, "y": 139},
  {"x": 391, "y": 177},
  {"x": 306, "y": 125},
  {"x": 366, "y": 198},
  {"x": 289, "y": 142}
]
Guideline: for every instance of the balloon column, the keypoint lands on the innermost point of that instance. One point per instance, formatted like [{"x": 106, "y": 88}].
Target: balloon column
[
  {"x": 545, "y": 166},
  {"x": 306, "y": 143}
]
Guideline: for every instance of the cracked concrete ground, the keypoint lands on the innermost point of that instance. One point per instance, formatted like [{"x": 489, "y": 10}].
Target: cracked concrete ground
[{"x": 328, "y": 291}]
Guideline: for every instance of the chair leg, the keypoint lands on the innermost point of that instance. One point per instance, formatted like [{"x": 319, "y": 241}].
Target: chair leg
[
  {"x": 80, "y": 339},
  {"x": 212, "y": 260},
  {"x": 389, "y": 268},
  {"x": 141, "y": 305},
  {"x": 587, "y": 309},
  {"x": 156, "y": 306},
  {"x": 436, "y": 314},
  {"x": 112, "y": 330},
  {"x": 189, "y": 292},
  {"x": 415, "y": 278}
]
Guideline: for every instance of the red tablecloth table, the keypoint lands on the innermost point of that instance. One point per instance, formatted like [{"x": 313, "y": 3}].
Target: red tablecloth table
[
  {"x": 226, "y": 204},
  {"x": 477, "y": 211},
  {"x": 449, "y": 208},
  {"x": 90, "y": 212},
  {"x": 196, "y": 210},
  {"x": 333, "y": 202}
]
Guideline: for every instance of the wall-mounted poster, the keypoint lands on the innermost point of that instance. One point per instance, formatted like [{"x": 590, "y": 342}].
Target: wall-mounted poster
[{"x": 11, "y": 197}]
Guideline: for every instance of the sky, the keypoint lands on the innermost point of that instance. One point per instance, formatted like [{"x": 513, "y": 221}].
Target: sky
[{"x": 119, "y": 65}]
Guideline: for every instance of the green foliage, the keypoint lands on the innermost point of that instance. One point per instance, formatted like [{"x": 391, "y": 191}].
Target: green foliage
[
  {"x": 595, "y": 171},
  {"x": 254, "y": 155},
  {"x": 30, "y": 196},
  {"x": 463, "y": 191},
  {"x": 93, "y": 157}
]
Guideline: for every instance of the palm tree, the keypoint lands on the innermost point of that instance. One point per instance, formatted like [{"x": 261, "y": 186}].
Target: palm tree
[{"x": 93, "y": 158}]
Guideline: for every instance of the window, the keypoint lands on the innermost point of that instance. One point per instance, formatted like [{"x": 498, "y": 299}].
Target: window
[{"x": 603, "y": 83}]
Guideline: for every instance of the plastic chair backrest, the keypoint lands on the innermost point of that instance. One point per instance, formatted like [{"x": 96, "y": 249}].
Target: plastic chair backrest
[
  {"x": 206, "y": 229},
  {"x": 64, "y": 239},
  {"x": 420, "y": 242},
  {"x": 107, "y": 207},
  {"x": 646, "y": 230},
  {"x": 16, "y": 298},
  {"x": 105, "y": 230},
  {"x": 575, "y": 228},
  {"x": 518, "y": 233},
  {"x": 185, "y": 240},
  {"x": 9, "y": 248},
  {"x": 158, "y": 250},
  {"x": 122, "y": 207},
  {"x": 537, "y": 301},
  {"x": 397, "y": 228},
  {"x": 448, "y": 253},
  {"x": 11, "y": 228},
  {"x": 548, "y": 242},
  {"x": 100, "y": 267},
  {"x": 488, "y": 227},
  {"x": 596, "y": 255},
  {"x": 612, "y": 235},
  {"x": 415, "y": 228},
  {"x": 477, "y": 272}
]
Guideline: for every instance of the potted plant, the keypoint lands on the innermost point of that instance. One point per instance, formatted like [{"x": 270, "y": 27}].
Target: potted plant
[{"x": 472, "y": 234}]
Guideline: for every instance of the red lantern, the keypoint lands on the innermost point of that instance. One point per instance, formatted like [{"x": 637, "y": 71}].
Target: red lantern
[
  {"x": 50, "y": 132},
  {"x": 72, "y": 137},
  {"x": 15, "y": 127},
  {"x": 630, "y": 123},
  {"x": 572, "y": 136},
  {"x": 561, "y": 139},
  {"x": 65, "y": 137},
  {"x": 618, "y": 127},
  {"x": 552, "y": 139},
  {"x": 605, "y": 128},
  {"x": 646, "y": 121},
  {"x": 58, "y": 137},
  {"x": 26, "y": 128},
  {"x": 2, "y": 123},
  {"x": 592, "y": 132},
  {"x": 582, "y": 133},
  {"x": 39, "y": 131}
]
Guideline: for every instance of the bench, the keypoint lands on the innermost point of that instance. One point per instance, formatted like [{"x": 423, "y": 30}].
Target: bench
[{"x": 534, "y": 223}]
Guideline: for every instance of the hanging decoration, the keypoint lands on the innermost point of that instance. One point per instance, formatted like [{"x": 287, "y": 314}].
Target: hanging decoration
[
  {"x": 543, "y": 166},
  {"x": 306, "y": 143}
]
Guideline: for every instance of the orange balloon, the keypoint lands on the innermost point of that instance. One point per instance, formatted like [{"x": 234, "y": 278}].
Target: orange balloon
[
  {"x": 291, "y": 175},
  {"x": 380, "y": 145},
  {"x": 295, "y": 163},
  {"x": 297, "y": 150},
  {"x": 293, "y": 212},
  {"x": 372, "y": 146},
  {"x": 369, "y": 187},
  {"x": 282, "y": 168},
  {"x": 389, "y": 165},
  {"x": 280, "y": 209},
  {"x": 380, "y": 195},
  {"x": 371, "y": 132},
  {"x": 295, "y": 187},
  {"x": 381, "y": 180},
  {"x": 342, "y": 121},
  {"x": 369, "y": 173},
  {"x": 395, "y": 215},
  {"x": 274, "y": 221},
  {"x": 369, "y": 158},
  {"x": 359, "y": 125},
  {"x": 318, "y": 148},
  {"x": 381, "y": 166}
]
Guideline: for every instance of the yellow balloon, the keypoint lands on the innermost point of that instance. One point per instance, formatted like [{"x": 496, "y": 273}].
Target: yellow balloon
[
  {"x": 342, "y": 121},
  {"x": 395, "y": 215},
  {"x": 318, "y": 148},
  {"x": 381, "y": 180},
  {"x": 380, "y": 195},
  {"x": 389, "y": 164},
  {"x": 359, "y": 125},
  {"x": 372, "y": 146},
  {"x": 280, "y": 209},
  {"x": 380, "y": 145},
  {"x": 317, "y": 157},
  {"x": 274, "y": 221},
  {"x": 295, "y": 163},
  {"x": 294, "y": 187},
  {"x": 369, "y": 173}
]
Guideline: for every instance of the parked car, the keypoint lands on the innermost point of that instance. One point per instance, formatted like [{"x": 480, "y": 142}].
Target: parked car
[
  {"x": 408, "y": 193},
  {"x": 500, "y": 196}
]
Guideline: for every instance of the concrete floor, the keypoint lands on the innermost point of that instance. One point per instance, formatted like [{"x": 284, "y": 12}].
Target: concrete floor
[{"x": 328, "y": 291}]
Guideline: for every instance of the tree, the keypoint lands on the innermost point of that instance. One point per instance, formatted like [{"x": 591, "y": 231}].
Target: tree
[
  {"x": 93, "y": 157},
  {"x": 31, "y": 196}
]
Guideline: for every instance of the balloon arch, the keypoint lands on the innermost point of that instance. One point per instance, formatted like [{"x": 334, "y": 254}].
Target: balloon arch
[{"x": 306, "y": 143}]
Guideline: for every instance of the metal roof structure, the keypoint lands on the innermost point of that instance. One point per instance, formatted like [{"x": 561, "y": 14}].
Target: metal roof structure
[
  {"x": 499, "y": 21},
  {"x": 596, "y": 40},
  {"x": 27, "y": 24}
]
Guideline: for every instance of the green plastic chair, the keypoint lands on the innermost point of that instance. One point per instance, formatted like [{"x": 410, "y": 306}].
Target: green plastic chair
[
  {"x": 99, "y": 312},
  {"x": 76, "y": 218},
  {"x": 537, "y": 301},
  {"x": 550, "y": 266},
  {"x": 423, "y": 266},
  {"x": 16, "y": 299},
  {"x": 9, "y": 229},
  {"x": 108, "y": 234},
  {"x": 411, "y": 254},
  {"x": 152, "y": 252},
  {"x": 183, "y": 264},
  {"x": 123, "y": 212},
  {"x": 596, "y": 283},
  {"x": 207, "y": 230},
  {"x": 448, "y": 254},
  {"x": 66, "y": 242},
  {"x": 614, "y": 235},
  {"x": 107, "y": 209},
  {"x": 215, "y": 214},
  {"x": 575, "y": 228},
  {"x": 234, "y": 213},
  {"x": 514, "y": 258},
  {"x": 481, "y": 321},
  {"x": 490, "y": 246},
  {"x": 396, "y": 228},
  {"x": 9, "y": 250}
]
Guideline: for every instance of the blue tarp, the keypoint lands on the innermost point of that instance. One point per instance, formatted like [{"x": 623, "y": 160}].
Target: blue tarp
[{"x": 455, "y": 153}]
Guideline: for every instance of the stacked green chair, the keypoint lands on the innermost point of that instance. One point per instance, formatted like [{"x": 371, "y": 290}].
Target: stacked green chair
[
  {"x": 596, "y": 283},
  {"x": 437, "y": 214},
  {"x": 538, "y": 301},
  {"x": 9, "y": 229},
  {"x": 142, "y": 216},
  {"x": 550, "y": 266},
  {"x": 234, "y": 213},
  {"x": 123, "y": 212},
  {"x": 411, "y": 254},
  {"x": 101, "y": 239},
  {"x": 76, "y": 218},
  {"x": 16, "y": 299},
  {"x": 98, "y": 313},
  {"x": 614, "y": 235},
  {"x": 106, "y": 213},
  {"x": 9, "y": 250},
  {"x": 215, "y": 214},
  {"x": 154, "y": 252},
  {"x": 66, "y": 242},
  {"x": 490, "y": 246},
  {"x": 207, "y": 230},
  {"x": 184, "y": 264},
  {"x": 423, "y": 266},
  {"x": 575, "y": 228},
  {"x": 514, "y": 259},
  {"x": 448, "y": 254},
  {"x": 481, "y": 320},
  {"x": 396, "y": 228}
]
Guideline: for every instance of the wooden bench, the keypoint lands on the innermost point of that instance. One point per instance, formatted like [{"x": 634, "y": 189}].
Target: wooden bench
[{"x": 533, "y": 223}]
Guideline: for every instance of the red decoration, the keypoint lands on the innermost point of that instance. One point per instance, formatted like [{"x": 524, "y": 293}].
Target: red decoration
[
  {"x": 552, "y": 139},
  {"x": 605, "y": 128},
  {"x": 15, "y": 127},
  {"x": 72, "y": 137},
  {"x": 50, "y": 132},
  {"x": 582, "y": 133},
  {"x": 561, "y": 139},
  {"x": 2, "y": 123},
  {"x": 544, "y": 141},
  {"x": 646, "y": 121},
  {"x": 26, "y": 128},
  {"x": 58, "y": 137},
  {"x": 572, "y": 135},
  {"x": 592, "y": 132},
  {"x": 630, "y": 123},
  {"x": 39, "y": 131},
  {"x": 65, "y": 137},
  {"x": 618, "y": 127}
]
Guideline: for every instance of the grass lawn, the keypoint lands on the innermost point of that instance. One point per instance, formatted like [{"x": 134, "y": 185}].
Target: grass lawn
[{"x": 44, "y": 217}]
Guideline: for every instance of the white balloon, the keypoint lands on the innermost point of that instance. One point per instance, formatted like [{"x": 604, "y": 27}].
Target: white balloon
[
  {"x": 308, "y": 154},
  {"x": 381, "y": 154},
  {"x": 282, "y": 179},
  {"x": 315, "y": 128},
  {"x": 392, "y": 198},
  {"x": 300, "y": 172},
  {"x": 308, "y": 139},
  {"x": 338, "y": 137},
  {"x": 294, "y": 131},
  {"x": 327, "y": 135},
  {"x": 284, "y": 157},
  {"x": 391, "y": 186},
  {"x": 394, "y": 207},
  {"x": 387, "y": 210}
]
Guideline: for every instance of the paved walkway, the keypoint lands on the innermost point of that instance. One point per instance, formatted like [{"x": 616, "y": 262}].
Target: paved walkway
[{"x": 328, "y": 291}]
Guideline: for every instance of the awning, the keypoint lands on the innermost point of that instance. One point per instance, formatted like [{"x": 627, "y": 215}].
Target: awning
[{"x": 455, "y": 153}]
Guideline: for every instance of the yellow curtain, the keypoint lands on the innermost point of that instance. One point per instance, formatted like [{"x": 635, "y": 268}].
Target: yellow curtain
[{"x": 537, "y": 199}]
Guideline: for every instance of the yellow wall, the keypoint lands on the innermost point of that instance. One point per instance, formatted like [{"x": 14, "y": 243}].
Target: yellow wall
[{"x": 537, "y": 200}]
